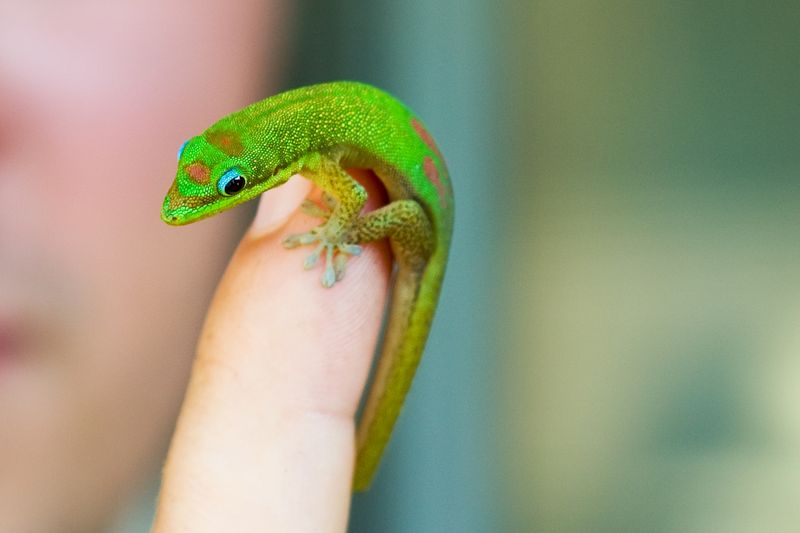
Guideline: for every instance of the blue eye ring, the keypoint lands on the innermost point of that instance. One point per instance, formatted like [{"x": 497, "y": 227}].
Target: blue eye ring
[
  {"x": 180, "y": 150},
  {"x": 231, "y": 182}
]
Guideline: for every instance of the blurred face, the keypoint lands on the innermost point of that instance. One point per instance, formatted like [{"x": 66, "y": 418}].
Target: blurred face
[{"x": 100, "y": 301}]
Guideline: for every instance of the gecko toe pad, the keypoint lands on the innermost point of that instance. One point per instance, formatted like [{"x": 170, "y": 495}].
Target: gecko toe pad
[{"x": 335, "y": 254}]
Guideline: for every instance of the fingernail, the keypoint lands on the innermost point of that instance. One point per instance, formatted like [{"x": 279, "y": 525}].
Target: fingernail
[{"x": 275, "y": 206}]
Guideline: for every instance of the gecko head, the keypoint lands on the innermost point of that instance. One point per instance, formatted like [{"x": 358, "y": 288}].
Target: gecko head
[{"x": 213, "y": 175}]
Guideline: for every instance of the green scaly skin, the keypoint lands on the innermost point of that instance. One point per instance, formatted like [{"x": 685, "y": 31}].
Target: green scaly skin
[{"x": 318, "y": 131}]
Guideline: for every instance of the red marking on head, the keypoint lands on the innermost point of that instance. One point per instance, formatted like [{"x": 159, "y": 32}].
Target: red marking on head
[
  {"x": 425, "y": 136},
  {"x": 198, "y": 172},
  {"x": 429, "y": 167},
  {"x": 227, "y": 141}
]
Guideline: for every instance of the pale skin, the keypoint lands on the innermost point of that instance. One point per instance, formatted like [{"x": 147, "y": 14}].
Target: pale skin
[
  {"x": 97, "y": 331},
  {"x": 266, "y": 432}
]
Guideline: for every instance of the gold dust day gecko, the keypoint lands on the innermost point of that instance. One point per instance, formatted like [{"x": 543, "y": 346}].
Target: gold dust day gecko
[{"x": 318, "y": 131}]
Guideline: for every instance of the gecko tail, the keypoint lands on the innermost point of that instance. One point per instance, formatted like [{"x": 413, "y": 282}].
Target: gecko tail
[{"x": 413, "y": 303}]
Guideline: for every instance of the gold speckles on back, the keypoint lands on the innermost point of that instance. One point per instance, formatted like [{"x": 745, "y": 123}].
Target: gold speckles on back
[{"x": 228, "y": 141}]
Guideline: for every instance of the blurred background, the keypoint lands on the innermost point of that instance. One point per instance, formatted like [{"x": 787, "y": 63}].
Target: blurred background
[
  {"x": 617, "y": 347},
  {"x": 618, "y": 343}
]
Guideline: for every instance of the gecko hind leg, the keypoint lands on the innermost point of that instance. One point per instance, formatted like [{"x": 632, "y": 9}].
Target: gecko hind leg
[
  {"x": 406, "y": 225},
  {"x": 403, "y": 221}
]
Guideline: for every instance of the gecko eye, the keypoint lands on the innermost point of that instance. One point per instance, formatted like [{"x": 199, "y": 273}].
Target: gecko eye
[
  {"x": 180, "y": 150},
  {"x": 231, "y": 182}
]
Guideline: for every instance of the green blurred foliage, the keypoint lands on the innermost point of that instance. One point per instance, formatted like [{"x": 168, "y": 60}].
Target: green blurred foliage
[{"x": 650, "y": 361}]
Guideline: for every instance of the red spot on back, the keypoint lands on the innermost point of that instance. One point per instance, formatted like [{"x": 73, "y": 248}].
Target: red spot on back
[
  {"x": 198, "y": 172},
  {"x": 227, "y": 141},
  {"x": 429, "y": 167},
  {"x": 425, "y": 136}
]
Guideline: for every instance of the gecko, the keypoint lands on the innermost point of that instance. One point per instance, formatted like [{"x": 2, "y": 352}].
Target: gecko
[{"x": 319, "y": 131}]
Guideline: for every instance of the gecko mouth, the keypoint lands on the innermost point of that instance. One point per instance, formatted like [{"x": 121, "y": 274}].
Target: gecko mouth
[
  {"x": 178, "y": 217},
  {"x": 172, "y": 220},
  {"x": 178, "y": 209}
]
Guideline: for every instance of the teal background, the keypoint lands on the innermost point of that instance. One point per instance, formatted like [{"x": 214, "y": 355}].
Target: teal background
[{"x": 442, "y": 59}]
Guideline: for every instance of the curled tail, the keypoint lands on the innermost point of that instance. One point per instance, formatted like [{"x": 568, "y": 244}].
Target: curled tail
[{"x": 413, "y": 303}]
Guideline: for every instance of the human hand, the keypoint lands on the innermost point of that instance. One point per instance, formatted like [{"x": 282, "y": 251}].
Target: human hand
[{"x": 266, "y": 436}]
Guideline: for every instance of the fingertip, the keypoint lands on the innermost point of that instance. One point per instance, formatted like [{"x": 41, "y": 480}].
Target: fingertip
[
  {"x": 280, "y": 368},
  {"x": 277, "y": 205}
]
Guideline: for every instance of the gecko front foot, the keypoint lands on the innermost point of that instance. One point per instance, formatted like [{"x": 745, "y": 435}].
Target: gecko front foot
[{"x": 335, "y": 253}]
